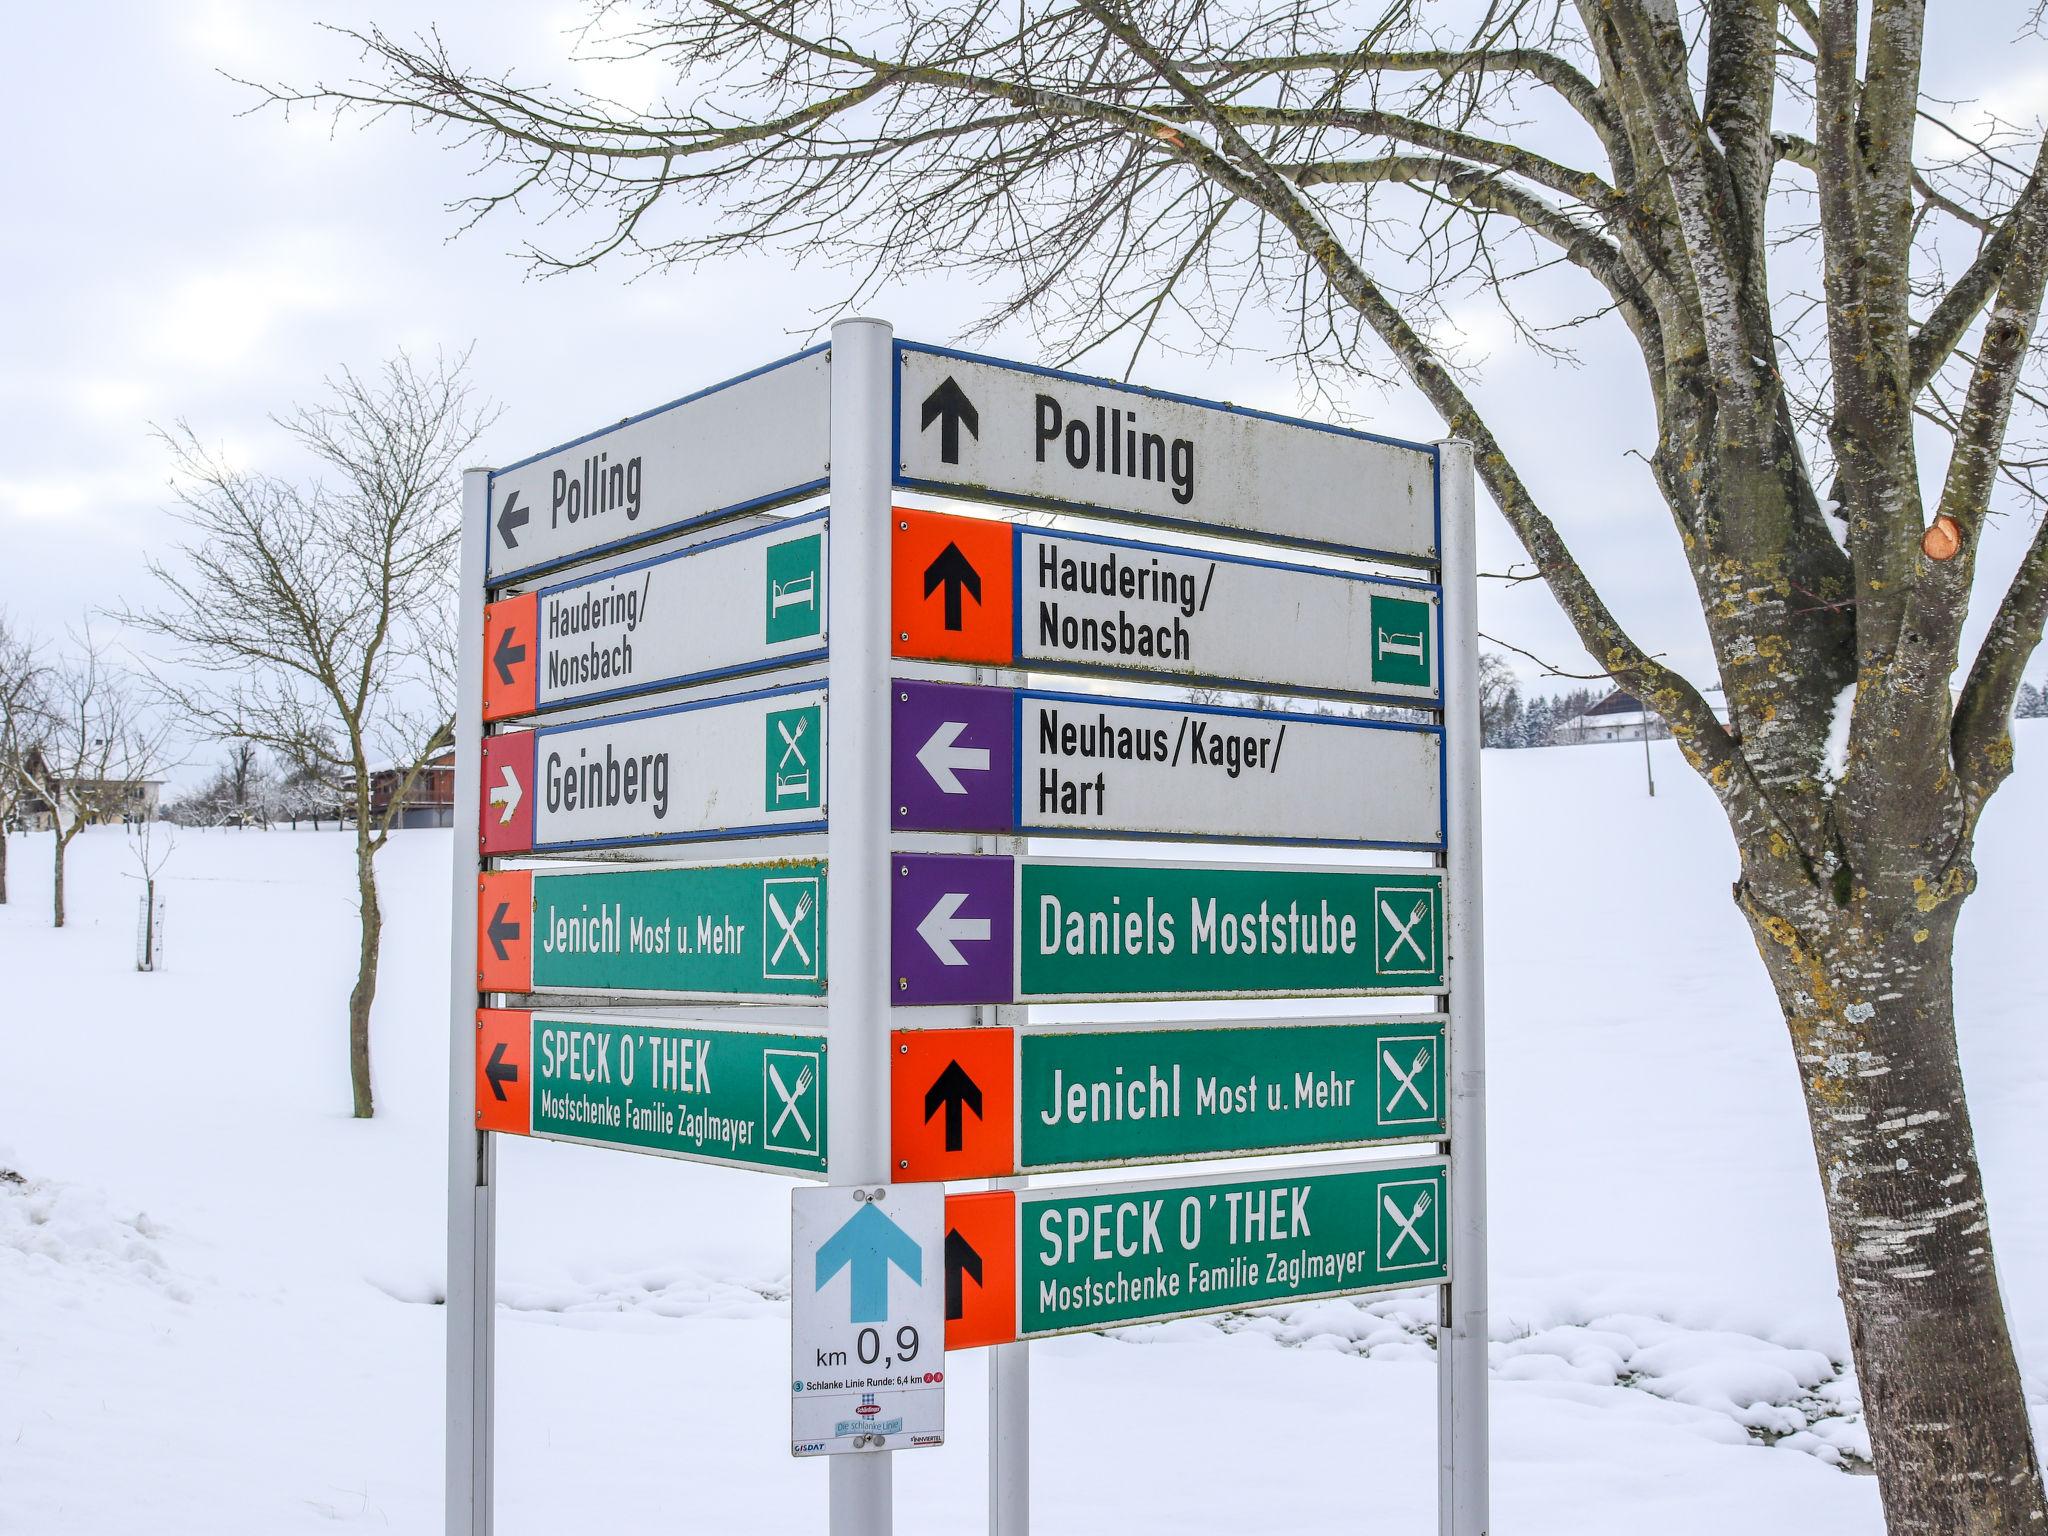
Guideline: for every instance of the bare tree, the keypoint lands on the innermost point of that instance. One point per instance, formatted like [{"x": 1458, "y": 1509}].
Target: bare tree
[
  {"x": 24, "y": 680},
  {"x": 1734, "y": 184},
  {"x": 93, "y": 752},
  {"x": 318, "y": 615}
]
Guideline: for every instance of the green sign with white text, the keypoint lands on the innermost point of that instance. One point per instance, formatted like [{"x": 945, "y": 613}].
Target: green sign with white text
[
  {"x": 750, "y": 1097},
  {"x": 725, "y": 931},
  {"x": 1133, "y": 1253},
  {"x": 1163, "y": 930},
  {"x": 1099, "y": 1096}
]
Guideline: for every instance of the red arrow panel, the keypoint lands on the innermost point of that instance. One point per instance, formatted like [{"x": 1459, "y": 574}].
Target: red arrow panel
[
  {"x": 952, "y": 1103},
  {"x": 981, "y": 1235},
  {"x": 511, "y": 656},
  {"x": 507, "y": 793},
  {"x": 935, "y": 564},
  {"x": 504, "y": 1070},
  {"x": 504, "y": 931}
]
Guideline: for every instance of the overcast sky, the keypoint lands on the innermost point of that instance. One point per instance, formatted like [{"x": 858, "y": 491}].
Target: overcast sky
[{"x": 166, "y": 257}]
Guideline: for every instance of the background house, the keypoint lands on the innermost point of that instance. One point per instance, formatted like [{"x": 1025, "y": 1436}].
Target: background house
[{"x": 1618, "y": 717}]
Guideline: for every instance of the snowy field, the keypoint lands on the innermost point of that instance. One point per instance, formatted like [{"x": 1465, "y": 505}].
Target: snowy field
[{"x": 217, "y": 1292}]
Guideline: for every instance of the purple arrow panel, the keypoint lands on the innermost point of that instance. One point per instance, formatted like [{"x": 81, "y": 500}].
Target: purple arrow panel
[
  {"x": 952, "y": 927},
  {"x": 952, "y": 757}
]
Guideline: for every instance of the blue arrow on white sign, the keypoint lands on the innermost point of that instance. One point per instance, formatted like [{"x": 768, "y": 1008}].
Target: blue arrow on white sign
[{"x": 870, "y": 1244}]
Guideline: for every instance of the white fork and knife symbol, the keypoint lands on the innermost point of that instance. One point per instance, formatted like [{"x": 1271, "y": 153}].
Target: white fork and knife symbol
[
  {"x": 1404, "y": 933},
  {"x": 1406, "y": 1222},
  {"x": 789, "y": 925},
  {"x": 789, "y": 1096},
  {"x": 1407, "y": 1088},
  {"x": 790, "y": 739}
]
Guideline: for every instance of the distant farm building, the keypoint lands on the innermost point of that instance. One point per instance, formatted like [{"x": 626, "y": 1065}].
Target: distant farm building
[
  {"x": 429, "y": 801},
  {"x": 1618, "y": 717}
]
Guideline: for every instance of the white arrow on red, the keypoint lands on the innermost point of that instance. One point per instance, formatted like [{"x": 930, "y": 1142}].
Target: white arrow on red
[
  {"x": 944, "y": 761},
  {"x": 508, "y": 795},
  {"x": 943, "y": 930}
]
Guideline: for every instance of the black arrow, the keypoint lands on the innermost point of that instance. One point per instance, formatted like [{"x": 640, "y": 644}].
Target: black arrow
[
  {"x": 498, "y": 930},
  {"x": 510, "y": 516},
  {"x": 949, "y": 406},
  {"x": 953, "y": 1089},
  {"x": 507, "y": 656},
  {"x": 955, "y": 572},
  {"x": 499, "y": 1072},
  {"x": 960, "y": 1259}
]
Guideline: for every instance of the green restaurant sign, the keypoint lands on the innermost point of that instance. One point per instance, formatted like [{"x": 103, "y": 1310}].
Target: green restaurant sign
[
  {"x": 1095, "y": 1097},
  {"x": 1132, "y": 1253},
  {"x": 722, "y": 931},
  {"x": 745, "y": 1096}
]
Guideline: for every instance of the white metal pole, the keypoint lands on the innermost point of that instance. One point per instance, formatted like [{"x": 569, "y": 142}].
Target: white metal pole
[
  {"x": 1462, "y": 1467},
  {"x": 857, "y": 835},
  {"x": 472, "y": 1200}
]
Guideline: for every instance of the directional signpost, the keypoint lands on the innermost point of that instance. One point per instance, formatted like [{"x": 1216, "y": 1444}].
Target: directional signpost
[
  {"x": 724, "y": 768},
  {"x": 718, "y": 932},
  {"x": 627, "y": 599},
  {"x": 975, "y": 426},
  {"x": 983, "y": 1103},
  {"x": 715, "y": 610},
  {"x": 751, "y": 442},
  {"x": 1005, "y": 595},
  {"x": 747, "y": 1096},
  {"x": 998, "y": 929},
  {"x": 867, "y": 1313},
  {"x": 970, "y": 759}
]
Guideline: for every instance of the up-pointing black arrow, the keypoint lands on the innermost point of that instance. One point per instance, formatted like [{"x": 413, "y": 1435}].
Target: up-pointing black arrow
[
  {"x": 953, "y": 1089},
  {"x": 956, "y": 573},
  {"x": 499, "y": 1072},
  {"x": 507, "y": 655},
  {"x": 498, "y": 930},
  {"x": 949, "y": 406},
  {"x": 511, "y": 516},
  {"x": 960, "y": 1259}
]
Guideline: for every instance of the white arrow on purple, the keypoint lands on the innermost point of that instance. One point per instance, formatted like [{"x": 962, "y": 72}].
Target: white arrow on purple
[
  {"x": 944, "y": 930},
  {"x": 945, "y": 761}
]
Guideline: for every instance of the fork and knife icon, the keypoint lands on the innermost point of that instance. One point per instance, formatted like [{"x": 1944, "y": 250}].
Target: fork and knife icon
[
  {"x": 789, "y": 923},
  {"x": 1404, "y": 932},
  {"x": 1406, "y": 1085},
  {"x": 790, "y": 1100},
  {"x": 1406, "y": 1222}
]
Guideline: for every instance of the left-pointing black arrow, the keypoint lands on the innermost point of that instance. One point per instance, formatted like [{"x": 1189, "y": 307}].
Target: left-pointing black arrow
[
  {"x": 953, "y": 1089},
  {"x": 960, "y": 1259},
  {"x": 507, "y": 655},
  {"x": 510, "y": 517},
  {"x": 500, "y": 929},
  {"x": 499, "y": 1072}
]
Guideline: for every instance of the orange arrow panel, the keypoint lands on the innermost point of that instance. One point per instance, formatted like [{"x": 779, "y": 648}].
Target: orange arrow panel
[
  {"x": 952, "y": 1103},
  {"x": 951, "y": 589},
  {"x": 511, "y": 656},
  {"x": 504, "y": 1070},
  {"x": 504, "y": 931},
  {"x": 981, "y": 1269}
]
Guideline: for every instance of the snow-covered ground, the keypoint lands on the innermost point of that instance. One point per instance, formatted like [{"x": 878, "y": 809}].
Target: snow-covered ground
[{"x": 216, "y": 1290}]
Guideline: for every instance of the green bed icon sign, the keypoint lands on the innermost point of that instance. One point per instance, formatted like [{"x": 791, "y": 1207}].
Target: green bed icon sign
[
  {"x": 795, "y": 593},
  {"x": 1401, "y": 641}
]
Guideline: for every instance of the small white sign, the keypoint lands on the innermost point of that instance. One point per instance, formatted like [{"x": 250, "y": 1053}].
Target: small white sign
[
  {"x": 750, "y": 442},
  {"x": 867, "y": 1332},
  {"x": 990, "y": 428}
]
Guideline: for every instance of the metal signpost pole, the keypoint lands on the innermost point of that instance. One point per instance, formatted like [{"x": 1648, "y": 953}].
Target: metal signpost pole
[
  {"x": 1461, "y": 1341},
  {"x": 857, "y": 791},
  {"x": 472, "y": 1194}
]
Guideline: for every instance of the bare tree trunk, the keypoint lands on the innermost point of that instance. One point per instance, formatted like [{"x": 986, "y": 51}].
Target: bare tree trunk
[
  {"x": 364, "y": 993},
  {"x": 57, "y": 889},
  {"x": 4, "y": 840},
  {"x": 1871, "y": 1009}
]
